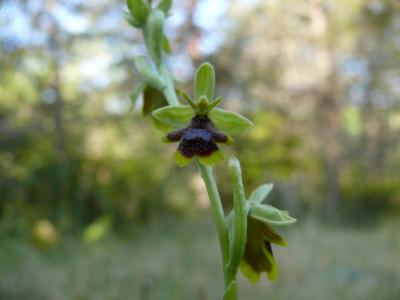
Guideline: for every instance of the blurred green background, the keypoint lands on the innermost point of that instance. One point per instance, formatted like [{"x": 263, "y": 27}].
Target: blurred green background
[{"x": 93, "y": 207}]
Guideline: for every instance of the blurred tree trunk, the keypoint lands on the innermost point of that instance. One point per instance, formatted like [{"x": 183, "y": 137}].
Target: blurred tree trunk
[
  {"x": 53, "y": 48},
  {"x": 328, "y": 110}
]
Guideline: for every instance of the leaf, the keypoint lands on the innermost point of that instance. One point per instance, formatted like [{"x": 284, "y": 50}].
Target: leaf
[
  {"x": 153, "y": 34},
  {"x": 212, "y": 159},
  {"x": 231, "y": 291},
  {"x": 139, "y": 10},
  {"x": 174, "y": 116},
  {"x": 204, "y": 82},
  {"x": 261, "y": 193},
  {"x": 271, "y": 215},
  {"x": 148, "y": 73},
  {"x": 165, "y": 6},
  {"x": 239, "y": 224},
  {"x": 229, "y": 122}
]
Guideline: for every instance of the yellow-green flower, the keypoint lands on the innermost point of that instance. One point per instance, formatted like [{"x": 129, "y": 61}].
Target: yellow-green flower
[
  {"x": 258, "y": 256},
  {"x": 199, "y": 126}
]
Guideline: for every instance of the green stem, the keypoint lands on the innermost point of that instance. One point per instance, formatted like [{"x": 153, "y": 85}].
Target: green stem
[
  {"x": 219, "y": 216},
  {"x": 212, "y": 190},
  {"x": 169, "y": 91}
]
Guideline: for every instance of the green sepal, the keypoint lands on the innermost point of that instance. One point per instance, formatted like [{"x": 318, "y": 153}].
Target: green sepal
[
  {"x": 271, "y": 215},
  {"x": 212, "y": 159},
  {"x": 136, "y": 93},
  {"x": 231, "y": 291},
  {"x": 174, "y": 116},
  {"x": 261, "y": 192},
  {"x": 139, "y": 10},
  {"x": 165, "y": 6},
  {"x": 132, "y": 21},
  {"x": 160, "y": 126},
  {"x": 149, "y": 74},
  {"x": 153, "y": 34},
  {"x": 204, "y": 82},
  {"x": 181, "y": 160},
  {"x": 229, "y": 122}
]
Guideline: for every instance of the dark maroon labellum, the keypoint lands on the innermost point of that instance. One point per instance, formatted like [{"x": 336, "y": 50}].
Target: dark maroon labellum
[{"x": 199, "y": 138}]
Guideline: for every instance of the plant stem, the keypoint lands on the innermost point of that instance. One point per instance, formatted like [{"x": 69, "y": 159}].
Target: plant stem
[
  {"x": 212, "y": 190},
  {"x": 218, "y": 212}
]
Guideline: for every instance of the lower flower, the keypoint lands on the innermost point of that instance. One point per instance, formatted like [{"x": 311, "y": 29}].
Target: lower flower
[{"x": 258, "y": 256}]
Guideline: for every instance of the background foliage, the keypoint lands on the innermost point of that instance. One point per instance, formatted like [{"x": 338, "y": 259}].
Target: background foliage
[{"x": 320, "y": 79}]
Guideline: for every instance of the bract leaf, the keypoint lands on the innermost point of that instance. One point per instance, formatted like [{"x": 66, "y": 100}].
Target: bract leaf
[
  {"x": 270, "y": 215},
  {"x": 229, "y": 122},
  {"x": 211, "y": 160},
  {"x": 204, "y": 82},
  {"x": 239, "y": 231},
  {"x": 153, "y": 34},
  {"x": 148, "y": 73},
  {"x": 174, "y": 116},
  {"x": 261, "y": 193}
]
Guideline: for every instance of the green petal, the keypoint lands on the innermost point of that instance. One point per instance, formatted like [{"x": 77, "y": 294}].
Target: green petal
[
  {"x": 261, "y": 193},
  {"x": 174, "y": 116},
  {"x": 248, "y": 272},
  {"x": 212, "y": 159},
  {"x": 181, "y": 160},
  {"x": 229, "y": 122},
  {"x": 271, "y": 215},
  {"x": 204, "y": 82}
]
